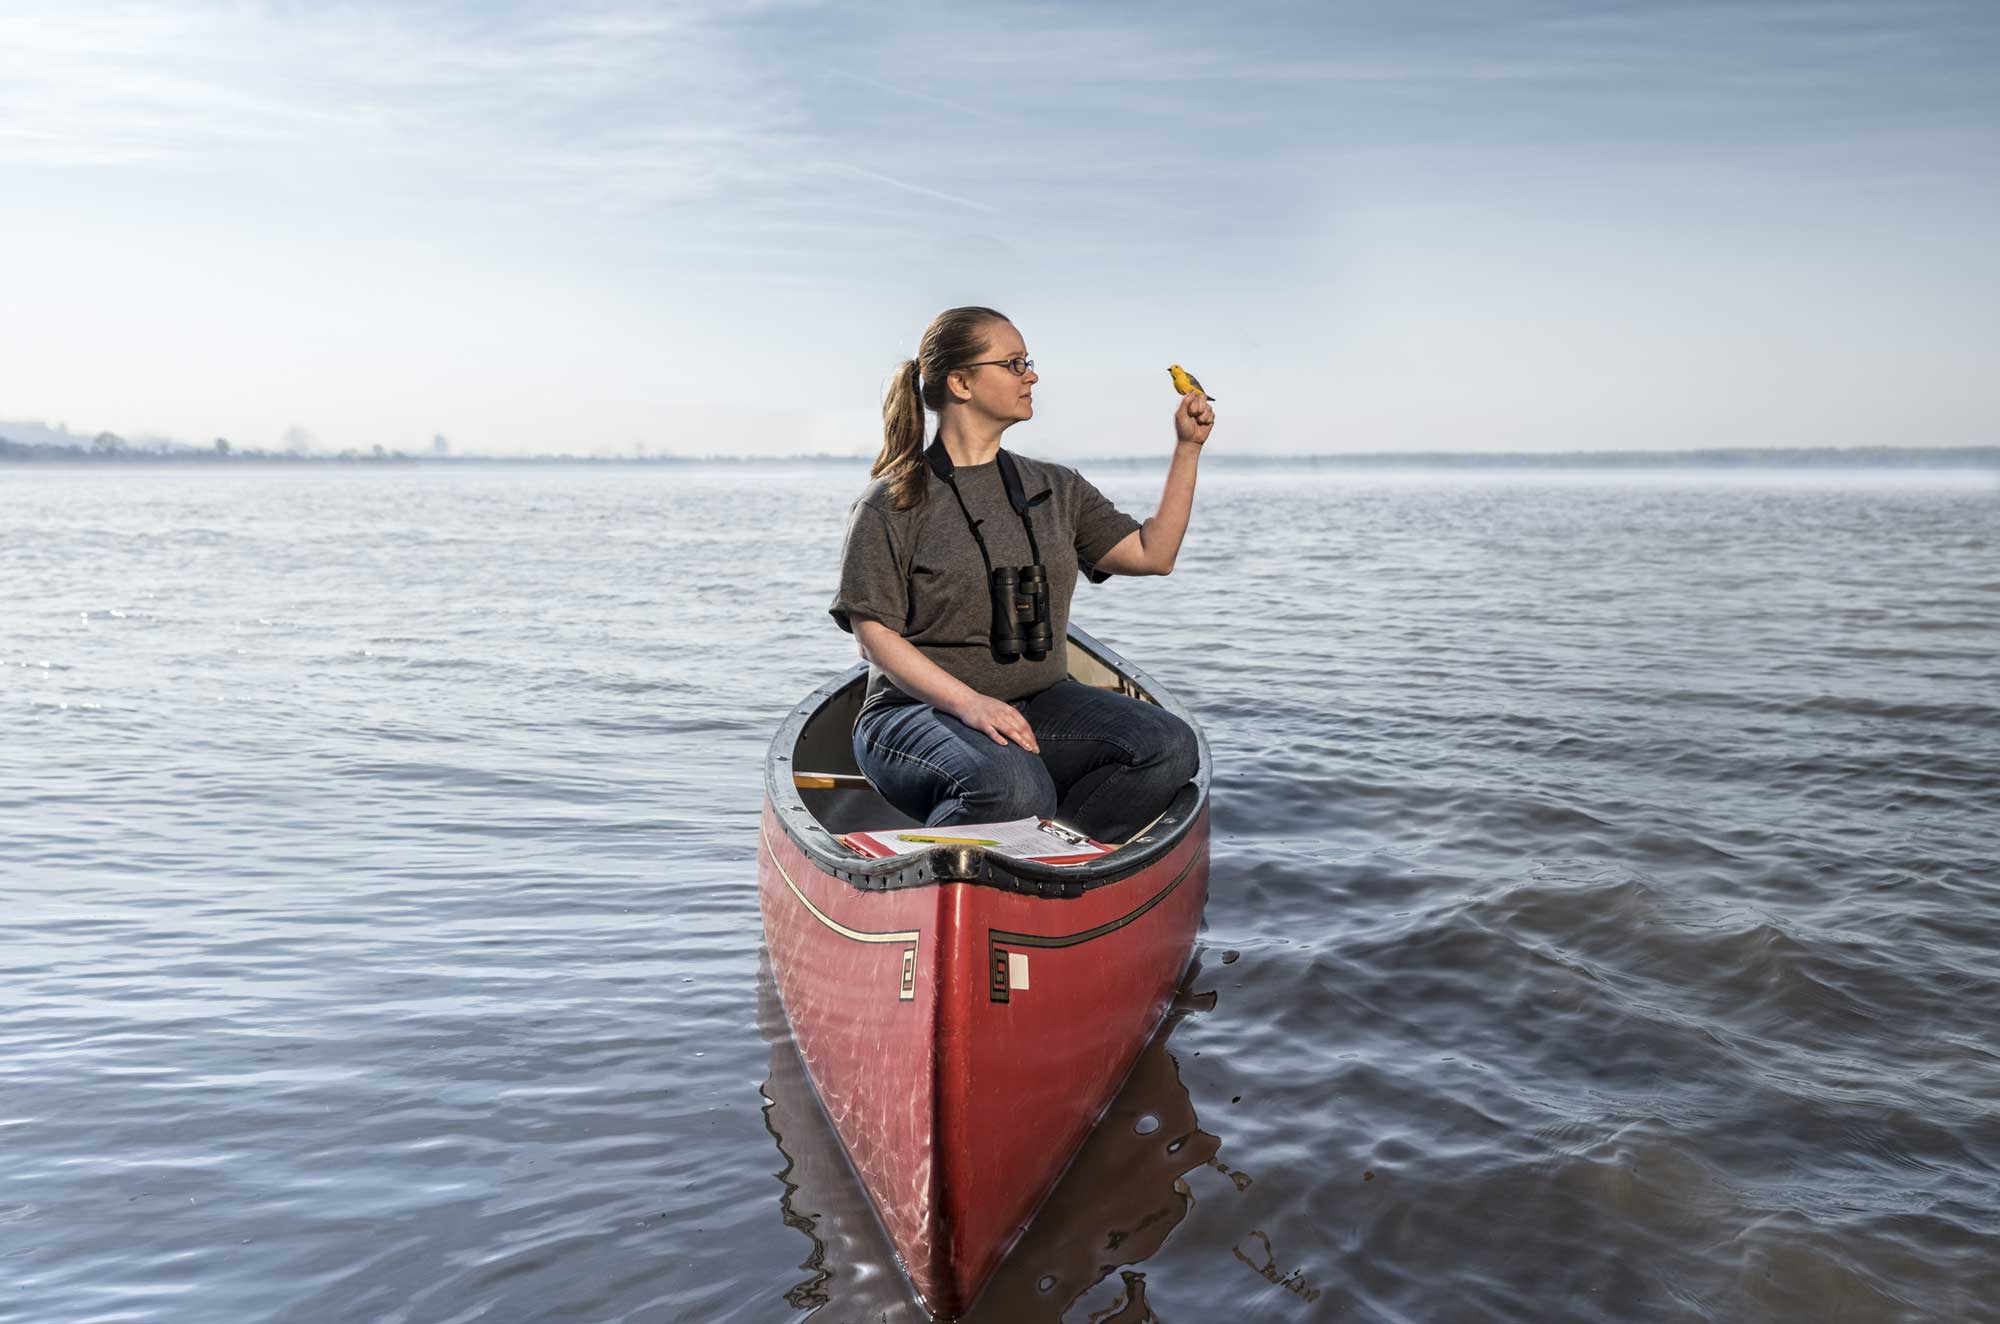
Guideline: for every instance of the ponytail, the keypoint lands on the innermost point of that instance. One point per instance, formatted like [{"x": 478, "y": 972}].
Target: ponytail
[
  {"x": 902, "y": 457},
  {"x": 955, "y": 337}
]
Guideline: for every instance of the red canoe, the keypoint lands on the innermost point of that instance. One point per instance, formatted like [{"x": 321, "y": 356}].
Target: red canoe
[{"x": 964, "y": 1018}]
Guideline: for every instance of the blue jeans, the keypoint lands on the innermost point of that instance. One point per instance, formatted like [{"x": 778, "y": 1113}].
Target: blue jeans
[{"x": 1109, "y": 764}]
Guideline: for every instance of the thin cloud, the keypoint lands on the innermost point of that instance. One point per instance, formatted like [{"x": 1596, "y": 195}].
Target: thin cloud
[
  {"x": 956, "y": 105},
  {"x": 842, "y": 167},
  {"x": 623, "y": 92}
]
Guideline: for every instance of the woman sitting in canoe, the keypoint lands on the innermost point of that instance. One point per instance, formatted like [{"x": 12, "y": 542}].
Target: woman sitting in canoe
[{"x": 955, "y": 581}]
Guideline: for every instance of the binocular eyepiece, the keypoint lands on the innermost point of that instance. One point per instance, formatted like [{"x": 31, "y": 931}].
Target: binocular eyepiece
[{"x": 1021, "y": 613}]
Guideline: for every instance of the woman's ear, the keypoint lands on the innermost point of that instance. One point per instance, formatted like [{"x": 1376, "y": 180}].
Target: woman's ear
[{"x": 955, "y": 387}]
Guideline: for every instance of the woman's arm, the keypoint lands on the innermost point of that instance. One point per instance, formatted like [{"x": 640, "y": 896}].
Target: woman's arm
[
  {"x": 921, "y": 678},
  {"x": 1153, "y": 547}
]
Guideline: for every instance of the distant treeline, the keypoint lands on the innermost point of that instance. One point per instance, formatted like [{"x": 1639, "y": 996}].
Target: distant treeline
[
  {"x": 1773, "y": 457},
  {"x": 108, "y": 449}
]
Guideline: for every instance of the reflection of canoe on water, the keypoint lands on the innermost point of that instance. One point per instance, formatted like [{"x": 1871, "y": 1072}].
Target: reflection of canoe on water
[
  {"x": 1116, "y": 1205},
  {"x": 965, "y": 1018}
]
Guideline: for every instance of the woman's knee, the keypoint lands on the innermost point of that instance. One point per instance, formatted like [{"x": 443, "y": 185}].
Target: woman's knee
[
  {"x": 1179, "y": 749},
  {"x": 907, "y": 763},
  {"x": 1008, "y": 783}
]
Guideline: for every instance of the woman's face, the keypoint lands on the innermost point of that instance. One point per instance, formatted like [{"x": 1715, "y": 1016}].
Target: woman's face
[{"x": 995, "y": 391}]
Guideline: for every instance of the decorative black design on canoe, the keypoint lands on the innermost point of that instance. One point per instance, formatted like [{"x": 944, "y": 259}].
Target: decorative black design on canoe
[{"x": 996, "y": 954}]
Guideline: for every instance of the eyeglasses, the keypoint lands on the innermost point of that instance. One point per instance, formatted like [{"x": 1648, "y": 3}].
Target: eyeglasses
[{"x": 1019, "y": 367}]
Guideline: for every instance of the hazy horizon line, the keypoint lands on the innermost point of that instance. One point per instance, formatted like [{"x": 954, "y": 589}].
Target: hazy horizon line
[{"x": 116, "y": 451}]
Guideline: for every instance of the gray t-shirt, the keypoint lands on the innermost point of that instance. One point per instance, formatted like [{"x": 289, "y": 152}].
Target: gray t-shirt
[{"x": 918, "y": 571}]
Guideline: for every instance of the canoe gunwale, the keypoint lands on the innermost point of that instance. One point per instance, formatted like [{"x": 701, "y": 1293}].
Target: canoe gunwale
[{"x": 969, "y": 864}]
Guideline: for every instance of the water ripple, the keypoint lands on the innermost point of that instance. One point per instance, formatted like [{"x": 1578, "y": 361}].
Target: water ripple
[{"x": 1602, "y": 917}]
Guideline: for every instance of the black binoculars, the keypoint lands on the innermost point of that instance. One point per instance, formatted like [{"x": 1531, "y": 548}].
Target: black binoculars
[{"x": 1021, "y": 613}]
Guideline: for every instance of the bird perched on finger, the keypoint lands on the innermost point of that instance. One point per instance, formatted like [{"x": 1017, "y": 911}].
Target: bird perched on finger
[{"x": 1185, "y": 381}]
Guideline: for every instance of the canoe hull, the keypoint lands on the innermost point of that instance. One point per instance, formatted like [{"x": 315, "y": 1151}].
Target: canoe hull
[{"x": 963, "y": 1038}]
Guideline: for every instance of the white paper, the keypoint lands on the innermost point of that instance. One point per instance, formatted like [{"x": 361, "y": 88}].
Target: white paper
[{"x": 1020, "y": 839}]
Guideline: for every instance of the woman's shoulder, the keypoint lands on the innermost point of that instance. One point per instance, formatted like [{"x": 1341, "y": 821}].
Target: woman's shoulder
[
  {"x": 877, "y": 502},
  {"x": 1049, "y": 472},
  {"x": 1067, "y": 485},
  {"x": 877, "y": 496}
]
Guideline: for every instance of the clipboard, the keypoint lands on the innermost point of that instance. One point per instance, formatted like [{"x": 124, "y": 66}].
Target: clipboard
[{"x": 1042, "y": 840}]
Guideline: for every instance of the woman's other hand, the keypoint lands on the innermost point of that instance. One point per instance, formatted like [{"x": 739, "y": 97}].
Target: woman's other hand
[
  {"x": 1002, "y": 721},
  {"x": 1193, "y": 418}
]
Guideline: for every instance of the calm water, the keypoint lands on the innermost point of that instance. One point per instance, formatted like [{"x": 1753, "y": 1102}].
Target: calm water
[{"x": 1604, "y": 924}]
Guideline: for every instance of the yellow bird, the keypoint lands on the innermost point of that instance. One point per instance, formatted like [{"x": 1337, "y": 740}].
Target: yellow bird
[{"x": 1185, "y": 381}]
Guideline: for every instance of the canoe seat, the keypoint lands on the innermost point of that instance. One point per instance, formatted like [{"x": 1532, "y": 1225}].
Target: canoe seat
[
  {"x": 829, "y": 781},
  {"x": 844, "y": 801}
]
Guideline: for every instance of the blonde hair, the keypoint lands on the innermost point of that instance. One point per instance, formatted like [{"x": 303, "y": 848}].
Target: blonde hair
[{"x": 954, "y": 338}]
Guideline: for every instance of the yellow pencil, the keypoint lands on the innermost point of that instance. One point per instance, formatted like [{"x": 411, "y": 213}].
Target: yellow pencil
[{"x": 948, "y": 841}]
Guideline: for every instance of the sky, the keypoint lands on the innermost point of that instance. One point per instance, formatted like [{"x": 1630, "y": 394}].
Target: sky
[{"x": 719, "y": 227}]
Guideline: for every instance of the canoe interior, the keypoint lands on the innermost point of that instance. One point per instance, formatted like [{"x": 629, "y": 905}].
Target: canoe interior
[{"x": 825, "y": 745}]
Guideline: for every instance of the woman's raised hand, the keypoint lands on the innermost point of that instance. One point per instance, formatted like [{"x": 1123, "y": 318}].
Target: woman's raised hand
[
  {"x": 1193, "y": 418},
  {"x": 1002, "y": 721}
]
